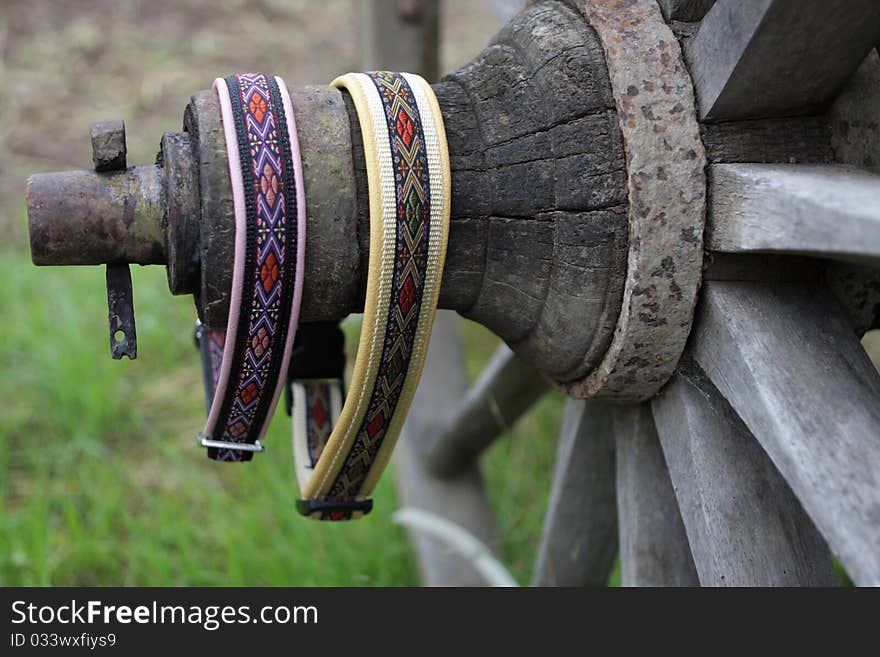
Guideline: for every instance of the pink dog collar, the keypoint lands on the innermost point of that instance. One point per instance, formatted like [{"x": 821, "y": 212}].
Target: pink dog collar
[{"x": 245, "y": 365}]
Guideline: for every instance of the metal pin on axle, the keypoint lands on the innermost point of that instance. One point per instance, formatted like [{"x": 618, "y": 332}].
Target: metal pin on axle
[
  {"x": 109, "y": 156},
  {"x": 120, "y": 306}
]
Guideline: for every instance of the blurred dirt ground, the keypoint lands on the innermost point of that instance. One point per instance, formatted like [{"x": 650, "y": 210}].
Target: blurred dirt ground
[{"x": 67, "y": 63}]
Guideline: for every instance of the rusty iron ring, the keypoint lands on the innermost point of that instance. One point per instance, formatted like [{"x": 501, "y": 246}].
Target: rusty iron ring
[{"x": 666, "y": 182}]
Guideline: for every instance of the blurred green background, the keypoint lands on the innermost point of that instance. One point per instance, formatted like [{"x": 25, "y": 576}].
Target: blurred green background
[{"x": 100, "y": 479}]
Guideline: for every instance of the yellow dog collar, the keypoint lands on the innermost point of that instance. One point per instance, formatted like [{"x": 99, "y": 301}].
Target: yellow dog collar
[{"x": 409, "y": 183}]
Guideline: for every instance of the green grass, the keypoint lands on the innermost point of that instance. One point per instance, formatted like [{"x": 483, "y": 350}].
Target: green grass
[
  {"x": 100, "y": 477},
  {"x": 102, "y": 483}
]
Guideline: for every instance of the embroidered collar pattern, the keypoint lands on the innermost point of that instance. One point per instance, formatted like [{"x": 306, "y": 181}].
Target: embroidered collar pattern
[
  {"x": 408, "y": 181},
  {"x": 267, "y": 279}
]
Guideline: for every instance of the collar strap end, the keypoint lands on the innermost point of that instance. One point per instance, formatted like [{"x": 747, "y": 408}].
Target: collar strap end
[{"x": 333, "y": 509}]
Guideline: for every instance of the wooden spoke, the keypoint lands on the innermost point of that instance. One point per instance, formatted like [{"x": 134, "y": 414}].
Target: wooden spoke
[
  {"x": 506, "y": 389},
  {"x": 760, "y": 58},
  {"x": 579, "y": 542},
  {"x": 461, "y": 499},
  {"x": 744, "y": 525},
  {"x": 685, "y": 10},
  {"x": 654, "y": 549},
  {"x": 855, "y": 137},
  {"x": 855, "y": 117},
  {"x": 831, "y": 210},
  {"x": 401, "y": 36},
  {"x": 791, "y": 367}
]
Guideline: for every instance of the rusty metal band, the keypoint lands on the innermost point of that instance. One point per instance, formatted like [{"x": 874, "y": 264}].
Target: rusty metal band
[{"x": 666, "y": 182}]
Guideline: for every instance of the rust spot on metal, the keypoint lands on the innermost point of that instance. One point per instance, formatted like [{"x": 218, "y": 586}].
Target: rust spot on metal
[{"x": 90, "y": 218}]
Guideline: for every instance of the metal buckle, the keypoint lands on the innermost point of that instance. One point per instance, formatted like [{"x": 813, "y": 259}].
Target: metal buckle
[
  {"x": 307, "y": 507},
  {"x": 205, "y": 441}
]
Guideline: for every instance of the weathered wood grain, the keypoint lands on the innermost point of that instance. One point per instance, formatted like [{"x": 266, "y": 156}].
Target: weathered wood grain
[
  {"x": 461, "y": 499},
  {"x": 654, "y": 549},
  {"x": 790, "y": 365},
  {"x": 538, "y": 235},
  {"x": 579, "y": 542},
  {"x": 789, "y": 140},
  {"x": 855, "y": 117},
  {"x": 744, "y": 525},
  {"x": 505, "y": 390},
  {"x": 331, "y": 244},
  {"x": 539, "y": 191},
  {"x": 828, "y": 211},
  {"x": 762, "y": 58},
  {"x": 855, "y": 126}
]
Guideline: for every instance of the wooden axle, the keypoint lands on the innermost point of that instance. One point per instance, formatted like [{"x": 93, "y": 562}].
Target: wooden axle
[
  {"x": 539, "y": 206},
  {"x": 540, "y": 229}
]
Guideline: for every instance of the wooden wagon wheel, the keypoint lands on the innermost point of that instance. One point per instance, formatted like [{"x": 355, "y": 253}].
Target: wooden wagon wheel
[
  {"x": 732, "y": 433},
  {"x": 764, "y": 447}
]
